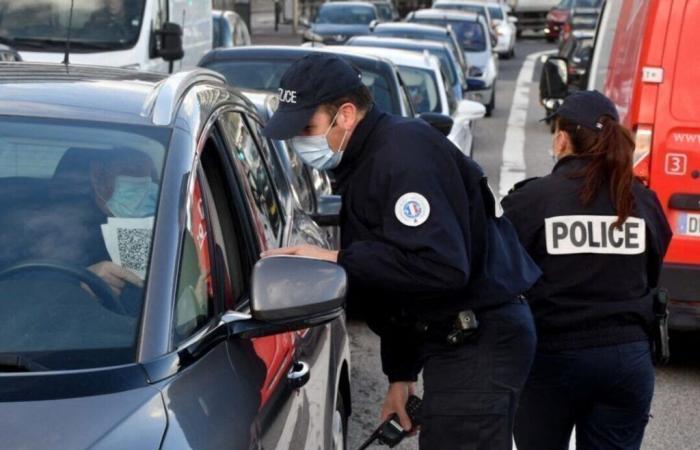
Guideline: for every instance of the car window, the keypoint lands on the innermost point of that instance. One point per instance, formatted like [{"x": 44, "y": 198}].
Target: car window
[
  {"x": 258, "y": 183},
  {"x": 471, "y": 35},
  {"x": 385, "y": 12},
  {"x": 345, "y": 14},
  {"x": 422, "y": 87},
  {"x": 496, "y": 12},
  {"x": 194, "y": 301},
  {"x": 77, "y": 203},
  {"x": 301, "y": 183},
  {"x": 265, "y": 75}
]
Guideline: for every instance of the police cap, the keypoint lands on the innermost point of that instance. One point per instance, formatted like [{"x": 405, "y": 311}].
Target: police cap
[
  {"x": 309, "y": 82},
  {"x": 586, "y": 108}
]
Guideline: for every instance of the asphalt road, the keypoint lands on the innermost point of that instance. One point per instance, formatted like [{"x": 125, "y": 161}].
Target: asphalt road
[{"x": 675, "y": 422}]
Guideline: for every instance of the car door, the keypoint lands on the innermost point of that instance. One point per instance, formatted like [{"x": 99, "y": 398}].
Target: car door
[
  {"x": 211, "y": 403},
  {"x": 285, "y": 419}
]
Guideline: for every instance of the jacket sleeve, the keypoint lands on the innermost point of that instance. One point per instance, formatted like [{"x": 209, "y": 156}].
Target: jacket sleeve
[
  {"x": 424, "y": 260},
  {"x": 521, "y": 207}
]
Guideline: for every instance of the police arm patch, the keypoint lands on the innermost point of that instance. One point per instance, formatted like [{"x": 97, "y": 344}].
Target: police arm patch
[{"x": 412, "y": 209}]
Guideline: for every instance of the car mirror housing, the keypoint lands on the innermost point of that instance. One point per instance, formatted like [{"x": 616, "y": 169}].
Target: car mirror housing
[
  {"x": 441, "y": 122},
  {"x": 471, "y": 110},
  {"x": 168, "y": 42},
  {"x": 555, "y": 78},
  {"x": 291, "y": 293},
  {"x": 328, "y": 211}
]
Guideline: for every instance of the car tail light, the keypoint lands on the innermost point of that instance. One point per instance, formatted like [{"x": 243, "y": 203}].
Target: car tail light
[{"x": 642, "y": 151}]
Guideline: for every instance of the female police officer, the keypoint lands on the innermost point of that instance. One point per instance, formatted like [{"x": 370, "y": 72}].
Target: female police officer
[
  {"x": 599, "y": 237},
  {"x": 425, "y": 253}
]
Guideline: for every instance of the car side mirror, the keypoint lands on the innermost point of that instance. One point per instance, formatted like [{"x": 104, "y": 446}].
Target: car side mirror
[
  {"x": 512, "y": 19},
  {"x": 304, "y": 23},
  {"x": 440, "y": 122},
  {"x": 471, "y": 110},
  {"x": 555, "y": 78},
  {"x": 328, "y": 211},
  {"x": 168, "y": 42},
  {"x": 290, "y": 293}
]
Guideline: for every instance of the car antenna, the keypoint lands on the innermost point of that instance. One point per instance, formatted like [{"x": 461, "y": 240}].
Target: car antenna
[{"x": 66, "y": 55}]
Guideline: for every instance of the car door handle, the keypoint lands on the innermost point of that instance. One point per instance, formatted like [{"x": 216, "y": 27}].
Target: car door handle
[{"x": 298, "y": 375}]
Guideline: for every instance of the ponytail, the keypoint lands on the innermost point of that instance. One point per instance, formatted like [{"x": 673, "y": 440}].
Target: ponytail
[{"x": 610, "y": 151}]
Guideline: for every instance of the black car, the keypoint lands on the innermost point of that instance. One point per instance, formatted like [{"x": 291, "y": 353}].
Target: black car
[
  {"x": 134, "y": 306},
  {"x": 261, "y": 67}
]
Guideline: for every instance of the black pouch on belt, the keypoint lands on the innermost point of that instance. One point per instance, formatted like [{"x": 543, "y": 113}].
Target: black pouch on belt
[{"x": 661, "y": 351}]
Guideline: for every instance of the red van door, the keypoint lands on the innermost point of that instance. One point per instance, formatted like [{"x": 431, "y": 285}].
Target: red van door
[{"x": 675, "y": 156}]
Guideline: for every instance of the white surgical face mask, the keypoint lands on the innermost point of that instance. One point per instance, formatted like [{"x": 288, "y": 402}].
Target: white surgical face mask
[
  {"x": 315, "y": 150},
  {"x": 133, "y": 197}
]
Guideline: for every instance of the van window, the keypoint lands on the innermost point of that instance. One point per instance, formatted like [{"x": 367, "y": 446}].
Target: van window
[{"x": 686, "y": 98}]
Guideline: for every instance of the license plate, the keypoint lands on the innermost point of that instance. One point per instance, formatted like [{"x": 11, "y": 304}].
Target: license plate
[{"x": 689, "y": 224}]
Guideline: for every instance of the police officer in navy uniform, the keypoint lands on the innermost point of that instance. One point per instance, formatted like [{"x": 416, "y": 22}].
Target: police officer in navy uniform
[
  {"x": 427, "y": 255},
  {"x": 599, "y": 236}
]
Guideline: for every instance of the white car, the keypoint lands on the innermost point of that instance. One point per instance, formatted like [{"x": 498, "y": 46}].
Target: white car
[
  {"x": 505, "y": 28},
  {"x": 496, "y": 15},
  {"x": 474, "y": 35},
  {"x": 425, "y": 82}
]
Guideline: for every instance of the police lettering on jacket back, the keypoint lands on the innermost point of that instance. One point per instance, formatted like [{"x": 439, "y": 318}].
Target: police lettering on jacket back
[{"x": 576, "y": 234}]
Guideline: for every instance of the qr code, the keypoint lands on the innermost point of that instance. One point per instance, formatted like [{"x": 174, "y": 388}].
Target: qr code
[{"x": 134, "y": 245}]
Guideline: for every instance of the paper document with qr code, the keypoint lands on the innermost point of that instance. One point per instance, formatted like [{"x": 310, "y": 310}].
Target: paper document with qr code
[{"x": 128, "y": 242}]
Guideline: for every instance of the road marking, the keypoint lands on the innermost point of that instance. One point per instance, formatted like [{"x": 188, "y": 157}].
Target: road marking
[{"x": 513, "y": 167}]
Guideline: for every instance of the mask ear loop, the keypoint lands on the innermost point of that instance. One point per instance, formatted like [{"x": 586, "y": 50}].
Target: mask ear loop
[{"x": 345, "y": 134}]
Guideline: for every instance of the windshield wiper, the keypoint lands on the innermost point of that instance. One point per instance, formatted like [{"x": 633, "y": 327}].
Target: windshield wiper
[
  {"x": 19, "y": 363},
  {"x": 53, "y": 42}
]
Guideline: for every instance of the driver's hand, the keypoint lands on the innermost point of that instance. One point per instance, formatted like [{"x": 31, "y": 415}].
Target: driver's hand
[{"x": 115, "y": 276}]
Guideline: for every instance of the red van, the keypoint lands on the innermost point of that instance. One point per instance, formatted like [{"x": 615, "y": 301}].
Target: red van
[{"x": 647, "y": 60}]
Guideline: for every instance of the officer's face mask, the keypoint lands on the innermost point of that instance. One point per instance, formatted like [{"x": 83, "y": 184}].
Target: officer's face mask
[
  {"x": 316, "y": 151},
  {"x": 133, "y": 197}
]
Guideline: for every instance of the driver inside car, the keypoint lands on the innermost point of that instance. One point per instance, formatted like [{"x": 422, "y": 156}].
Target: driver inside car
[{"x": 90, "y": 186}]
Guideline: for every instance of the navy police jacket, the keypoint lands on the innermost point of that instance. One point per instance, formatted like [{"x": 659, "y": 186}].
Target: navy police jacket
[
  {"x": 598, "y": 280},
  {"x": 420, "y": 233}
]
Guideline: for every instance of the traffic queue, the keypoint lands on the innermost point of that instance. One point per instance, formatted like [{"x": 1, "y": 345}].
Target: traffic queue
[{"x": 177, "y": 244}]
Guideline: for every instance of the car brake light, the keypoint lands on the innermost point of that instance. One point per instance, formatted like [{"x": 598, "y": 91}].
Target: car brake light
[{"x": 642, "y": 151}]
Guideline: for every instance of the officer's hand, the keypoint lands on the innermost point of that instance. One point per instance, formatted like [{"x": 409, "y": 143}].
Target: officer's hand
[
  {"x": 309, "y": 251},
  {"x": 115, "y": 276},
  {"x": 395, "y": 402}
]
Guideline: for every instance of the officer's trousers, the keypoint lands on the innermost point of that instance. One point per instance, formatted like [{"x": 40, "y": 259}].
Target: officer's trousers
[
  {"x": 605, "y": 392},
  {"x": 471, "y": 391}
]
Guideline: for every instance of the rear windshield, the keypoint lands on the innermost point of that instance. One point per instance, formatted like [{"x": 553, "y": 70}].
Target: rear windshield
[
  {"x": 476, "y": 9},
  {"x": 77, "y": 208},
  {"x": 496, "y": 12},
  {"x": 265, "y": 75},
  {"x": 345, "y": 14},
  {"x": 423, "y": 89},
  {"x": 471, "y": 35}
]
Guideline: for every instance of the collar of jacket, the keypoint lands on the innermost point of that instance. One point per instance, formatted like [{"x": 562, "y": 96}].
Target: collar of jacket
[
  {"x": 356, "y": 145},
  {"x": 571, "y": 163}
]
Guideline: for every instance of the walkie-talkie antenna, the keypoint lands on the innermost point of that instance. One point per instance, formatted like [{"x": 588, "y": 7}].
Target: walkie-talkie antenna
[{"x": 66, "y": 55}]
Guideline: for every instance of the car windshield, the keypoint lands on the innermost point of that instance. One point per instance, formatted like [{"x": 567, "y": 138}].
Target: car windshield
[
  {"x": 384, "y": 10},
  {"x": 423, "y": 89},
  {"x": 345, "y": 14},
  {"x": 476, "y": 9},
  {"x": 496, "y": 12},
  {"x": 265, "y": 75},
  {"x": 470, "y": 34},
  {"x": 78, "y": 202},
  {"x": 96, "y": 24}
]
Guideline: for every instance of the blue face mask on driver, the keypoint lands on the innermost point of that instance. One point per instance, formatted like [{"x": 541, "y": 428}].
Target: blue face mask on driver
[{"x": 133, "y": 197}]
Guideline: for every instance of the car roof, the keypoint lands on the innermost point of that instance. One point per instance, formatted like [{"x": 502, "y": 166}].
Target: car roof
[
  {"x": 412, "y": 26},
  {"x": 94, "y": 93},
  {"x": 396, "y": 56},
  {"x": 445, "y": 14},
  {"x": 463, "y": 2},
  {"x": 408, "y": 43}
]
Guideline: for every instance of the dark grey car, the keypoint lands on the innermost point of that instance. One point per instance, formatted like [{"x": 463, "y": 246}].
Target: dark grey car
[{"x": 134, "y": 309}]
